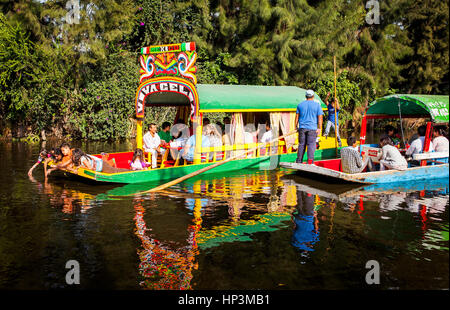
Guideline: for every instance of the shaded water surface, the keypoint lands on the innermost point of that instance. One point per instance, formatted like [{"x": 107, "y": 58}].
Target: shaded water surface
[{"x": 259, "y": 230}]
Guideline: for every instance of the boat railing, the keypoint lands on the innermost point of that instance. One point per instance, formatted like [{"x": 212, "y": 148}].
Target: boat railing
[{"x": 218, "y": 153}]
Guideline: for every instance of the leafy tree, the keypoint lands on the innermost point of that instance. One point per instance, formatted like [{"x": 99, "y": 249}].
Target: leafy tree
[{"x": 426, "y": 25}]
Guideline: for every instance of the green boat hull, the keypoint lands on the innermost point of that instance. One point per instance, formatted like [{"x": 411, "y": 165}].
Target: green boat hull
[{"x": 170, "y": 173}]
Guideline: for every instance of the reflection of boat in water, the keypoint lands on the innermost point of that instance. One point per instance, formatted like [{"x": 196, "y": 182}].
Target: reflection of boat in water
[{"x": 440, "y": 186}]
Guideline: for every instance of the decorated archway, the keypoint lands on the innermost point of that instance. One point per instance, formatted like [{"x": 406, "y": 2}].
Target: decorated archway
[
  {"x": 167, "y": 78},
  {"x": 163, "y": 85}
]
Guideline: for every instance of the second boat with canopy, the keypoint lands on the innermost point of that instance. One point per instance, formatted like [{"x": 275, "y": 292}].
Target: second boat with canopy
[{"x": 432, "y": 164}]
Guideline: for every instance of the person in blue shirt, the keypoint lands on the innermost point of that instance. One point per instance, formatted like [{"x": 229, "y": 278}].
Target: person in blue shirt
[
  {"x": 306, "y": 228},
  {"x": 334, "y": 104},
  {"x": 309, "y": 119},
  {"x": 188, "y": 151}
]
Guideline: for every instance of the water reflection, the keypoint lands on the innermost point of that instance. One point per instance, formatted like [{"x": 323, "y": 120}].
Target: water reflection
[
  {"x": 234, "y": 211},
  {"x": 65, "y": 199},
  {"x": 306, "y": 224},
  {"x": 161, "y": 266}
]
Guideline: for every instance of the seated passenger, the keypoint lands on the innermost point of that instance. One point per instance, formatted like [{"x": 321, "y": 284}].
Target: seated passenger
[
  {"x": 266, "y": 138},
  {"x": 188, "y": 151},
  {"x": 393, "y": 134},
  {"x": 417, "y": 145},
  {"x": 440, "y": 142},
  {"x": 351, "y": 160},
  {"x": 164, "y": 133},
  {"x": 215, "y": 140},
  {"x": 80, "y": 159},
  {"x": 151, "y": 144},
  {"x": 390, "y": 157},
  {"x": 137, "y": 162},
  {"x": 250, "y": 136},
  {"x": 180, "y": 133}
]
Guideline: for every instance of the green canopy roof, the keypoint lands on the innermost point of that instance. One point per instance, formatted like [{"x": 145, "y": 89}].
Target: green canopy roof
[
  {"x": 235, "y": 98},
  {"x": 433, "y": 106}
]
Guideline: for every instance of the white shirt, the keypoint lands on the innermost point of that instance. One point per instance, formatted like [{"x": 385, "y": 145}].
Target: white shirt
[
  {"x": 151, "y": 142},
  {"x": 179, "y": 142},
  {"x": 440, "y": 144},
  {"x": 248, "y": 138},
  {"x": 416, "y": 146},
  {"x": 267, "y": 137}
]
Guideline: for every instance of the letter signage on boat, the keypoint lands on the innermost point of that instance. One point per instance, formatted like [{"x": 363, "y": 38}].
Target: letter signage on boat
[
  {"x": 174, "y": 48},
  {"x": 160, "y": 87}
]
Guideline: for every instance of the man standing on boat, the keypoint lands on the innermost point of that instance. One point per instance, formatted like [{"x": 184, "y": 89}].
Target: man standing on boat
[
  {"x": 309, "y": 119},
  {"x": 151, "y": 144},
  {"x": 332, "y": 106}
]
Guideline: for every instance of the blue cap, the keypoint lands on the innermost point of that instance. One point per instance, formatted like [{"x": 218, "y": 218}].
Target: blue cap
[{"x": 309, "y": 93}]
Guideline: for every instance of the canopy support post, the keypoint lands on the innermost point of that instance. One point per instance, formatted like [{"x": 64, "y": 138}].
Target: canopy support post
[
  {"x": 426, "y": 146},
  {"x": 139, "y": 139},
  {"x": 198, "y": 128},
  {"x": 362, "y": 135}
]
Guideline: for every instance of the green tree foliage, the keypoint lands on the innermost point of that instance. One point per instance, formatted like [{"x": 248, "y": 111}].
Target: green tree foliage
[
  {"x": 103, "y": 108},
  {"x": 426, "y": 25},
  {"x": 79, "y": 77}
]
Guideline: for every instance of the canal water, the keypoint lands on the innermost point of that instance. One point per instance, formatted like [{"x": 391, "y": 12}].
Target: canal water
[{"x": 265, "y": 229}]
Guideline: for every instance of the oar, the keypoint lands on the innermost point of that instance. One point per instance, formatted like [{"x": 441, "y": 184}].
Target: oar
[
  {"x": 335, "y": 105},
  {"x": 190, "y": 175}
]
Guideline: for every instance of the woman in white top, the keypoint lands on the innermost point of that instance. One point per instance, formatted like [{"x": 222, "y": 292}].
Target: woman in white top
[
  {"x": 417, "y": 144},
  {"x": 440, "y": 142},
  {"x": 390, "y": 157},
  {"x": 215, "y": 139}
]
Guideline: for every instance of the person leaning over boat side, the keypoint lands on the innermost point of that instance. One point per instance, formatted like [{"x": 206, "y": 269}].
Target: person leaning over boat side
[
  {"x": 334, "y": 104},
  {"x": 351, "y": 161},
  {"x": 80, "y": 159},
  {"x": 151, "y": 143},
  {"x": 440, "y": 142},
  {"x": 66, "y": 161},
  {"x": 188, "y": 151},
  {"x": 390, "y": 157},
  {"x": 309, "y": 119},
  {"x": 44, "y": 157}
]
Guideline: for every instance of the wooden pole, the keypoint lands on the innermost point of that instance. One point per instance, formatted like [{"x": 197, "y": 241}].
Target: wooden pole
[
  {"x": 181, "y": 179},
  {"x": 335, "y": 105}
]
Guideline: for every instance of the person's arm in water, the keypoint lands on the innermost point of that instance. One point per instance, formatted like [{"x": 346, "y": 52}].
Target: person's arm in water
[
  {"x": 30, "y": 172},
  {"x": 46, "y": 161}
]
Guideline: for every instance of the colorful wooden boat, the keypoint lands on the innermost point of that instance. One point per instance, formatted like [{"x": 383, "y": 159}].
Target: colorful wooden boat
[
  {"x": 433, "y": 165},
  {"x": 168, "y": 79},
  {"x": 332, "y": 169}
]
